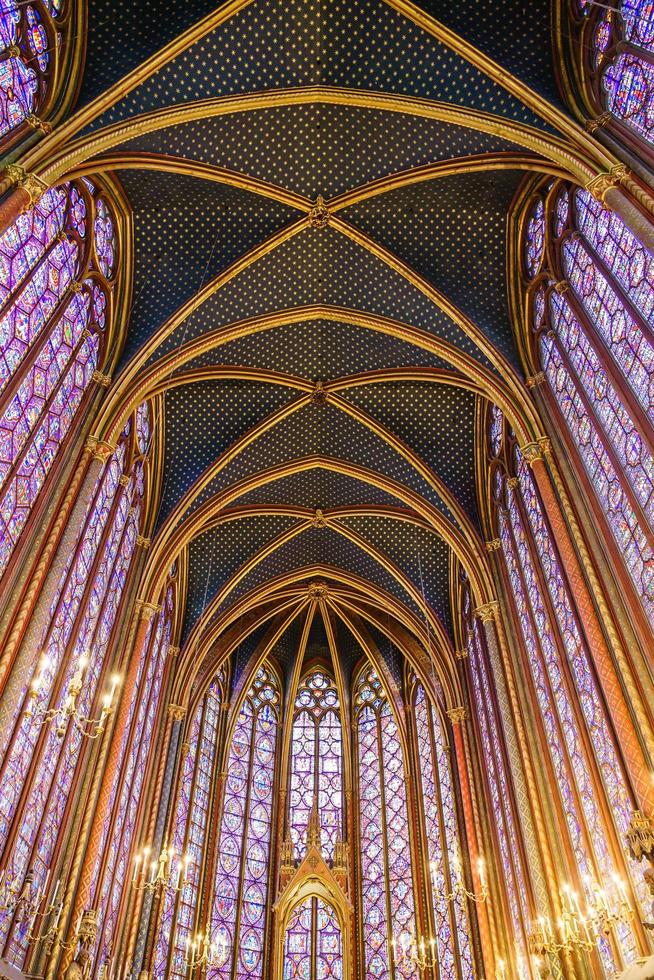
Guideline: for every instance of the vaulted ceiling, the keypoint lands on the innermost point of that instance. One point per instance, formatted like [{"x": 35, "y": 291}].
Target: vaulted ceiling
[{"x": 394, "y": 303}]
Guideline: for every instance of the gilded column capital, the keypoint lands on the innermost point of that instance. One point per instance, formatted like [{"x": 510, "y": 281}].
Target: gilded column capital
[
  {"x": 535, "y": 379},
  {"x": 457, "y": 714},
  {"x": 601, "y": 183},
  {"x": 562, "y": 286},
  {"x": 104, "y": 380},
  {"x": 176, "y": 711},
  {"x": 488, "y": 612},
  {"x": 592, "y": 125},
  {"x": 100, "y": 450},
  {"x": 173, "y": 651},
  {"x": 31, "y": 183},
  {"x": 36, "y": 123},
  {"x": 531, "y": 453},
  {"x": 143, "y": 542},
  {"x": 123, "y": 480},
  {"x": 493, "y": 545},
  {"x": 461, "y": 654},
  {"x": 146, "y": 610},
  {"x": 318, "y": 590},
  {"x": 512, "y": 482},
  {"x": 319, "y": 214}
]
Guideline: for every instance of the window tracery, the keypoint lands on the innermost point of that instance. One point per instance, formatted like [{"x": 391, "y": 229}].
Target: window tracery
[
  {"x": 618, "y": 48},
  {"x": 32, "y": 36},
  {"x": 316, "y": 762},
  {"x": 188, "y": 834},
  {"x": 592, "y": 311},
  {"x": 111, "y": 875},
  {"x": 388, "y": 910},
  {"x": 313, "y": 943},
  {"x": 240, "y": 902},
  {"x": 40, "y": 762},
  {"x": 452, "y": 935},
  {"x": 56, "y": 268}
]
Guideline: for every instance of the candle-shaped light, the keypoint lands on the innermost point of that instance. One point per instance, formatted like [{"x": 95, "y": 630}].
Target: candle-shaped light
[{"x": 137, "y": 866}]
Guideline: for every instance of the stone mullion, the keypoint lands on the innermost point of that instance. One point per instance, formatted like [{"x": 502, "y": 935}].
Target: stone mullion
[
  {"x": 636, "y": 765},
  {"x": 277, "y": 818}
]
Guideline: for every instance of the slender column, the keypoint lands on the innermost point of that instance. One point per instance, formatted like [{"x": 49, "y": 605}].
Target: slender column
[
  {"x": 22, "y": 646},
  {"x": 486, "y": 930},
  {"x": 16, "y": 202},
  {"x": 156, "y": 825},
  {"x": 100, "y": 800},
  {"x": 630, "y": 747},
  {"x": 619, "y": 190}
]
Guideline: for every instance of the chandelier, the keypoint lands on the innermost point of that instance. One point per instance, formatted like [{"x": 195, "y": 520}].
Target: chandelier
[
  {"x": 580, "y": 929},
  {"x": 202, "y": 951},
  {"x": 167, "y": 872},
  {"x": 68, "y": 710},
  {"x": 27, "y": 907},
  {"x": 421, "y": 953}
]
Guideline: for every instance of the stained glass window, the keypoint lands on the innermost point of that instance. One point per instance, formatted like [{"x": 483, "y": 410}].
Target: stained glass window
[
  {"x": 316, "y": 762},
  {"x": 496, "y": 429},
  {"x": 188, "y": 835},
  {"x": 240, "y": 904},
  {"x": 111, "y": 878},
  {"x": 498, "y": 781},
  {"x": 621, "y": 41},
  {"x": 452, "y": 936},
  {"x": 596, "y": 348},
  {"x": 53, "y": 298},
  {"x": 387, "y": 909},
  {"x": 40, "y": 763},
  {"x": 313, "y": 943},
  {"x": 531, "y": 559},
  {"x": 29, "y": 33}
]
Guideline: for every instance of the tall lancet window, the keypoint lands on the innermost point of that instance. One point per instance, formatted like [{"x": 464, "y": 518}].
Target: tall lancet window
[
  {"x": 594, "y": 798},
  {"x": 452, "y": 929},
  {"x": 242, "y": 879},
  {"x": 617, "y": 45},
  {"x": 590, "y": 286},
  {"x": 316, "y": 762},
  {"x": 188, "y": 834},
  {"x": 57, "y": 266},
  {"x": 387, "y": 899},
  {"x": 40, "y": 764},
  {"x": 505, "y": 823},
  {"x": 112, "y": 872}
]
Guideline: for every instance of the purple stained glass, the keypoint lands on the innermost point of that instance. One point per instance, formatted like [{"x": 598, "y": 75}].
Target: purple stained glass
[
  {"x": 498, "y": 782},
  {"x": 316, "y": 763},
  {"x": 561, "y": 212},
  {"x": 630, "y": 536},
  {"x": 126, "y": 791},
  {"x": 143, "y": 430},
  {"x": 243, "y": 857},
  {"x": 496, "y": 429},
  {"x": 629, "y": 86},
  {"x": 535, "y": 238},
  {"x": 24, "y": 74},
  {"x": 386, "y": 872},
  {"x": 638, "y": 19},
  {"x": 37, "y": 38},
  {"x": 624, "y": 338},
  {"x": 49, "y": 348},
  {"x": 104, "y": 235},
  {"x": 313, "y": 944}
]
